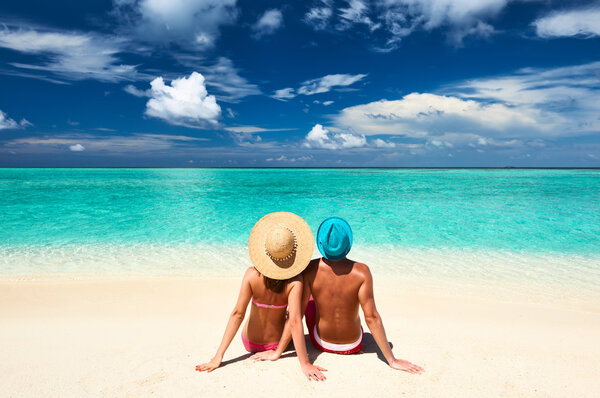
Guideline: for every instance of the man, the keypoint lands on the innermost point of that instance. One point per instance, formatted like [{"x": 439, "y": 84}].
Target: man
[{"x": 339, "y": 286}]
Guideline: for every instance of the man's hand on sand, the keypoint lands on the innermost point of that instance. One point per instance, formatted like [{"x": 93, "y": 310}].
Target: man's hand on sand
[
  {"x": 269, "y": 355},
  {"x": 406, "y": 366},
  {"x": 209, "y": 366}
]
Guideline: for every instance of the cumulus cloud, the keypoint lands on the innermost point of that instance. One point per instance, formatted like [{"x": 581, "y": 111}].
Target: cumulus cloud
[
  {"x": 77, "y": 148},
  {"x": 184, "y": 103},
  {"x": 530, "y": 104},
  {"x": 70, "y": 55},
  {"x": 268, "y": 23},
  {"x": 193, "y": 23},
  {"x": 222, "y": 77},
  {"x": 422, "y": 114},
  {"x": 565, "y": 98},
  {"x": 320, "y": 137},
  {"x": 583, "y": 22},
  {"x": 7, "y": 123}
]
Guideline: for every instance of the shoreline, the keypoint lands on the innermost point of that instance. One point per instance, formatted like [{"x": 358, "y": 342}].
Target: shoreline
[{"x": 137, "y": 337}]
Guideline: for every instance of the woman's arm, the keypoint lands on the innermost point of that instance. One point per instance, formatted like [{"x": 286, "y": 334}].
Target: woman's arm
[
  {"x": 295, "y": 325},
  {"x": 235, "y": 320},
  {"x": 375, "y": 324}
]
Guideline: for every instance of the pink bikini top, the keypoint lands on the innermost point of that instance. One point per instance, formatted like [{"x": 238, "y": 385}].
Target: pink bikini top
[{"x": 267, "y": 305}]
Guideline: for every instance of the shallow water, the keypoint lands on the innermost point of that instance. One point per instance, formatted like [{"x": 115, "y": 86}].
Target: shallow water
[{"x": 504, "y": 223}]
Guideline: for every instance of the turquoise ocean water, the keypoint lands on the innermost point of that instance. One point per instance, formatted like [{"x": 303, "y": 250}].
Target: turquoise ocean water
[{"x": 502, "y": 223}]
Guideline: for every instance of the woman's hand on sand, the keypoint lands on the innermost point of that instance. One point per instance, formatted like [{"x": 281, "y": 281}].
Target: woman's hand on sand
[
  {"x": 406, "y": 366},
  {"x": 269, "y": 355},
  {"x": 313, "y": 372},
  {"x": 209, "y": 366}
]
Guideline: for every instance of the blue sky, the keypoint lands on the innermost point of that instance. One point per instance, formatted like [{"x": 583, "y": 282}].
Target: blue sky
[{"x": 195, "y": 83}]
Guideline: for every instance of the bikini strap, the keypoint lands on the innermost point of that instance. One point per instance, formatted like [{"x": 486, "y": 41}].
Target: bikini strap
[{"x": 267, "y": 305}]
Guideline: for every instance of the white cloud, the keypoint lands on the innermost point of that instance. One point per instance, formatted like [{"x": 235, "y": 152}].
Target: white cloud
[
  {"x": 268, "y": 23},
  {"x": 138, "y": 142},
  {"x": 422, "y": 114},
  {"x": 565, "y": 98},
  {"x": 553, "y": 86},
  {"x": 184, "y": 103},
  {"x": 441, "y": 143},
  {"x": 284, "y": 158},
  {"x": 77, "y": 148},
  {"x": 326, "y": 83},
  {"x": 379, "y": 143},
  {"x": 231, "y": 113},
  {"x": 318, "y": 17},
  {"x": 252, "y": 129},
  {"x": 500, "y": 111},
  {"x": 320, "y": 137},
  {"x": 7, "y": 123},
  {"x": 462, "y": 17},
  {"x": 356, "y": 13},
  {"x": 284, "y": 94},
  {"x": 131, "y": 89},
  {"x": 320, "y": 85},
  {"x": 583, "y": 22},
  {"x": 188, "y": 22},
  {"x": 70, "y": 55},
  {"x": 400, "y": 18}
]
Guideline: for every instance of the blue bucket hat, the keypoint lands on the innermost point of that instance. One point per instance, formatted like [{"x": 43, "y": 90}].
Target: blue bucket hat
[{"x": 334, "y": 238}]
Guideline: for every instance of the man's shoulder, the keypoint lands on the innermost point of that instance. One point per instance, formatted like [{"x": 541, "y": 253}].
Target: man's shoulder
[
  {"x": 360, "y": 269},
  {"x": 311, "y": 268}
]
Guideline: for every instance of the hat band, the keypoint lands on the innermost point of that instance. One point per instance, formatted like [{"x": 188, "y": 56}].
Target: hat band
[{"x": 289, "y": 255}]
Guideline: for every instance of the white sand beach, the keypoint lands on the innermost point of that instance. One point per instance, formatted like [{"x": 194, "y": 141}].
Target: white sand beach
[{"x": 143, "y": 337}]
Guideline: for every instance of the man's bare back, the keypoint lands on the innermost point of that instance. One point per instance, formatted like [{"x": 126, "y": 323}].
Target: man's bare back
[
  {"x": 334, "y": 286},
  {"x": 339, "y": 288}
]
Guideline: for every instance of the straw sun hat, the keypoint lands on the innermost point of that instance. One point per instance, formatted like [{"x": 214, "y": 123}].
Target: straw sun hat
[{"x": 281, "y": 245}]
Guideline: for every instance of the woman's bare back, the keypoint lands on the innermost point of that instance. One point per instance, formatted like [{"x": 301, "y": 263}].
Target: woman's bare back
[{"x": 265, "y": 325}]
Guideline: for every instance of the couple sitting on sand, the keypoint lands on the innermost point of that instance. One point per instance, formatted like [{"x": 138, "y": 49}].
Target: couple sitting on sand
[{"x": 284, "y": 283}]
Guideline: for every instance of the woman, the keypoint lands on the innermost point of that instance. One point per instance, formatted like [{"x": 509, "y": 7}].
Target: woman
[{"x": 280, "y": 246}]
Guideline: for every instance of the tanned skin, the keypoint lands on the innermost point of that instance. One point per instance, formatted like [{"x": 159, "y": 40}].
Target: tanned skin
[
  {"x": 266, "y": 325},
  {"x": 339, "y": 288}
]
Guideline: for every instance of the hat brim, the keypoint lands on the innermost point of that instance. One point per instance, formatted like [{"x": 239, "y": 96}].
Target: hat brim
[{"x": 297, "y": 262}]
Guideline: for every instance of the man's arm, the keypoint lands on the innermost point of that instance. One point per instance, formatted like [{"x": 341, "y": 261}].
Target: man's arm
[{"x": 375, "y": 324}]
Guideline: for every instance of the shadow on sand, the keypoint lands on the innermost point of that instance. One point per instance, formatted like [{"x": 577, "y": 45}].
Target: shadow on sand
[{"x": 369, "y": 347}]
